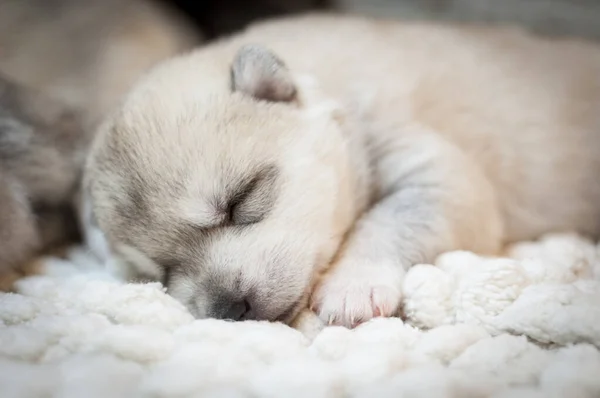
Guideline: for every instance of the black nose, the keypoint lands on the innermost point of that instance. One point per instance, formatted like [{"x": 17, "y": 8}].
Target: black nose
[{"x": 238, "y": 311}]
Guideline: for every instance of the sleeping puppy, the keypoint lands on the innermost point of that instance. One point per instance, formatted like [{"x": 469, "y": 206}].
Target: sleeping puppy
[{"x": 312, "y": 160}]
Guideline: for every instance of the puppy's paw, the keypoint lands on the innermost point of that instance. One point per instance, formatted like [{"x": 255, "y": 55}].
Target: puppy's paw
[{"x": 354, "y": 293}]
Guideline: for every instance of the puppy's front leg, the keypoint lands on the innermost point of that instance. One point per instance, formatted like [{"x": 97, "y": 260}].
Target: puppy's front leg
[{"x": 433, "y": 199}]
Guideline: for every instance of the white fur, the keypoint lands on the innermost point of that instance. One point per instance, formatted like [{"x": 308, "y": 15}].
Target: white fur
[{"x": 80, "y": 332}]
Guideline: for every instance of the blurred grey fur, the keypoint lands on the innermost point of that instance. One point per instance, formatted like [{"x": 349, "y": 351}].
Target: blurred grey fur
[
  {"x": 549, "y": 17},
  {"x": 64, "y": 64}
]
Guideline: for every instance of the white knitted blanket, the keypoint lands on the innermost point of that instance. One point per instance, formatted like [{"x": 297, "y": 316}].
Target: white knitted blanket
[{"x": 525, "y": 326}]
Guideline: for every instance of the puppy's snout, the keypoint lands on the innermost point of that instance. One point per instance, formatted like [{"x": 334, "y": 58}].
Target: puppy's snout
[
  {"x": 234, "y": 310},
  {"x": 239, "y": 310}
]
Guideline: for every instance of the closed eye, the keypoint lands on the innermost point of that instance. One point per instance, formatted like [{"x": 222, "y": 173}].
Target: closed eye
[
  {"x": 166, "y": 278},
  {"x": 247, "y": 201},
  {"x": 234, "y": 216},
  {"x": 253, "y": 199},
  {"x": 231, "y": 212}
]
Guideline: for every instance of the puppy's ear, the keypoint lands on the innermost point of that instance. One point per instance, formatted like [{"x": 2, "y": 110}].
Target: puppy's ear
[{"x": 258, "y": 72}]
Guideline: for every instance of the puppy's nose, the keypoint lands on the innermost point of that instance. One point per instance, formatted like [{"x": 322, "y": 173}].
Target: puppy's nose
[{"x": 238, "y": 311}]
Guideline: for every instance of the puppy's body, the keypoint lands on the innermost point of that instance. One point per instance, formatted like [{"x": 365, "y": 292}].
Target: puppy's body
[
  {"x": 375, "y": 145},
  {"x": 524, "y": 109}
]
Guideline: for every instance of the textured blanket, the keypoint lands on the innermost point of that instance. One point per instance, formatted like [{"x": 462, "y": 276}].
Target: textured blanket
[{"x": 525, "y": 325}]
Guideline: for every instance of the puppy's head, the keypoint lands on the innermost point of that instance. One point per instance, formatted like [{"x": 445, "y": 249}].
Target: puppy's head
[{"x": 226, "y": 177}]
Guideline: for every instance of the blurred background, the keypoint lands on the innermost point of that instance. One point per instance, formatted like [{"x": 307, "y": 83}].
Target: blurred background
[{"x": 556, "y": 17}]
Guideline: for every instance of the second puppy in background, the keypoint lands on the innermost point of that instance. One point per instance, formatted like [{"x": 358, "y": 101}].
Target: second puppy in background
[
  {"x": 42, "y": 150},
  {"x": 64, "y": 65}
]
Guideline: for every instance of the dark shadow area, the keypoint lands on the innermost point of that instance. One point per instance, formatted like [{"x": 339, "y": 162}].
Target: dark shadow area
[{"x": 216, "y": 18}]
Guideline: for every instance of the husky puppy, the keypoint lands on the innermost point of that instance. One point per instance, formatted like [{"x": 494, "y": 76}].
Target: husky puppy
[{"x": 312, "y": 160}]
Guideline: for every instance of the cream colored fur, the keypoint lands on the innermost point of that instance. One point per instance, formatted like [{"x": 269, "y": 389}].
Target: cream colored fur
[{"x": 404, "y": 140}]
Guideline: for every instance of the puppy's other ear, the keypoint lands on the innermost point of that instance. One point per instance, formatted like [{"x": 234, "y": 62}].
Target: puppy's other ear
[{"x": 257, "y": 72}]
